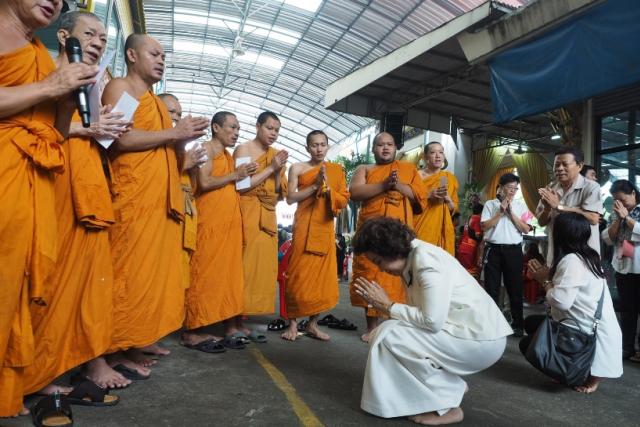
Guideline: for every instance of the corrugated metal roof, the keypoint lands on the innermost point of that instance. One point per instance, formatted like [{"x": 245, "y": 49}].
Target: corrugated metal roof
[{"x": 291, "y": 54}]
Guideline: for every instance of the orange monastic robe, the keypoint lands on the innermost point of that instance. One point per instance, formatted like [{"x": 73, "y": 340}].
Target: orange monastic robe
[
  {"x": 434, "y": 225},
  {"x": 217, "y": 284},
  {"x": 76, "y": 325},
  {"x": 189, "y": 227},
  {"x": 389, "y": 204},
  {"x": 30, "y": 153},
  {"x": 312, "y": 283},
  {"x": 260, "y": 244},
  {"x": 146, "y": 241}
]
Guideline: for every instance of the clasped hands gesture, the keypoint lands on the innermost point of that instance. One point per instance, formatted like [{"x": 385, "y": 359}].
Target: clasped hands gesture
[
  {"x": 538, "y": 272},
  {"x": 550, "y": 199},
  {"x": 321, "y": 181},
  {"x": 246, "y": 169},
  {"x": 439, "y": 194},
  {"x": 620, "y": 210},
  {"x": 279, "y": 160},
  {"x": 373, "y": 294}
]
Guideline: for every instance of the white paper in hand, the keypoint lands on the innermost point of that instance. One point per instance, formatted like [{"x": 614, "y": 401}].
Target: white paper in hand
[
  {"x": 244, "y": 183},
  {"x": 126, "y": 105},
  {"x": 95, "y": 92}
]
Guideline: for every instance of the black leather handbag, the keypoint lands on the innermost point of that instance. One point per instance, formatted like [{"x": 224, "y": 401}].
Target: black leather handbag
[{"x": 563, "y": 352}]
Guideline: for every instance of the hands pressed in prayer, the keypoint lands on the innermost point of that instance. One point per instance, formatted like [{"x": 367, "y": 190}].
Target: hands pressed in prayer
[
  {"x": 619, "y": 209},
  {"x": 279, "y": 160},
  {"x": 374, "y": 294},
  {"x": 391, "y": 181},
  {"x": 549, "y": 197},
  {"x": 246, "y": 169},
  {"x": 539, "y": 272}
]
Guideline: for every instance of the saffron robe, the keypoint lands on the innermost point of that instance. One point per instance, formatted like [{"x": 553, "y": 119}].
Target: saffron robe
[
  {"x": 311, "y": 282},
  {"x": 31, "y": 153},
  {"x": 260, "y": 240},
  {"x": 146, "y": 241},
  {"x": 217, "y": 283},
  {"x": 434, "y": 225},
  {"x": 392, "y": 204},
  {"x": 76, "y": 324},
  {"x": 189, "y": 227}
]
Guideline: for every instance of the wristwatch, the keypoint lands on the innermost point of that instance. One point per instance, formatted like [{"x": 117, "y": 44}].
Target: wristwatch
[{"x": 560, "y": 208}]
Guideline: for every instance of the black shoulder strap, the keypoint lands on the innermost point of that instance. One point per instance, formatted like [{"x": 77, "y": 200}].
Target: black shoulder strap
[{"x": 599, "y": 309}]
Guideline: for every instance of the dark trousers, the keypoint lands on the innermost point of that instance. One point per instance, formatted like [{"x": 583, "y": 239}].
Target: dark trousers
[
  {"x": 531, "y": 325},
  {"x": 505, "y": 261},
  {"x": 629, "y": 291}
]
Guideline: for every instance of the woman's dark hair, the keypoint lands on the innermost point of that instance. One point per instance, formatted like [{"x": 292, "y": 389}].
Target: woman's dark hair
[
  {"x": 508, "y": 178},
  {"x": 266, "y": 115},
  {"x": 477, "y": 209},
  {"x": 571, "y": 232},
  {"x": 585, "y": 169},
  {"x": 219, "y": 118},
  {"x": 386, "y": 237},
  {"x": 626, "y": 187},
  {"x": 577, "y": 153}
]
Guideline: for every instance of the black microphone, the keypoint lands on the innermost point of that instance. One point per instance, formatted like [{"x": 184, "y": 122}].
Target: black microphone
[{"x": 74, "y": 53}]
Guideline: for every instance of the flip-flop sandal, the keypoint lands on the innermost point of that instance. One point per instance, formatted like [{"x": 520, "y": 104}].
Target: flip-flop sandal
[
  {"x": 235, "y": 341},
  {"x": 302, "y": 325},
  {"x": 130, "y": 374},
  {"x": 210, "y": 345},
  {"x": 257, "y": 337},
  {"x": 328, "y": 319},
  {"x": 52, "y": 411},
  {"x": 344, "y": 324},
  {"x": 88, "y": 393},
  {"x": 276, "y": 325}
]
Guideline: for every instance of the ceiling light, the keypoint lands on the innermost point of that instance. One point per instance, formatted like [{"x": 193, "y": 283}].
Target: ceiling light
[
  {"x": 556, "y": 137},
  {"x": 519, "y": 150}
]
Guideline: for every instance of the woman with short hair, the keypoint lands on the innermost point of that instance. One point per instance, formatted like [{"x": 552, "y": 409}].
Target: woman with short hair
[{"x": 448, "y": 328}]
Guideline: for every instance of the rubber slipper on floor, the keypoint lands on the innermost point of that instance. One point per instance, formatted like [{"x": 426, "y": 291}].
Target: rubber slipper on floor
[
  {"x": 344, "y": 324},
  {"x": 276, "y": 325},
  {"x": 88, "y": 393},
  {"x": 130, "y": 374},
  {"x": 328, "y": 319},
  {"x": 207, "y": 346},
  {"x": 235, "y": 341},
  {"x": 256, "y": 336},
  {"x": 53, "y": 410}
]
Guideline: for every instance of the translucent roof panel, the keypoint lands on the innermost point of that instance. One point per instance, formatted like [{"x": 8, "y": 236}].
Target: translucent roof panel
[{"x": 249, "y": 56}]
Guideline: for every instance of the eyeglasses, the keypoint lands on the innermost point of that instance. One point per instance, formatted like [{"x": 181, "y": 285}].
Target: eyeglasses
[{"x": 511, "y": 187}]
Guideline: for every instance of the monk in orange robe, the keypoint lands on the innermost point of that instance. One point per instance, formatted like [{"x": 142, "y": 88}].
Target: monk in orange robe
[
  {"x": 258, "y": 207},
  {"x": 216, "y": 292},
  {"x": 35, "y": 112},
  {"x": 320, "y": 189},
  {"x": 435, "y": 224},
  {"x": 146, "y": 241},
  {"x": 389, "y": 188},
  {"x": 75, "y": 326}
]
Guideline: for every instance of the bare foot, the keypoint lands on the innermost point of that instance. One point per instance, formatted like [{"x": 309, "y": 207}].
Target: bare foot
[
  {"x": 155, "y": 350},
  {"x": 455, "y": 415},
  {"x": 104, "y": 376},
  {"x": 192, "y": 338},
  {"x": 291, "y": 333},
  {"x": 120, "y": 359},
  {"x": 137, "y": 356},
  {"x": 52, "y": 388},
  {"x": 589, "y": 386},
  {"x": 24, "y": 411},
  {"x": 313, "y": 331}
]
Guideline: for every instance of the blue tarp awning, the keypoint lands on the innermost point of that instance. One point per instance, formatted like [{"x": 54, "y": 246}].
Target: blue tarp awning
[{"x": 588, "y": 55}]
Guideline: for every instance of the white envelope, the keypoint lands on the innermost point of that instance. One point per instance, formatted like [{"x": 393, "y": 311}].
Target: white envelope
[
  {"x": 127, "y": 105},
  {"x": 245, "y": 182}
]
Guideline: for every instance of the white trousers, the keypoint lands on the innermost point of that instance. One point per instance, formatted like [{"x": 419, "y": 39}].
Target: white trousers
[{"x": 412, "y": 371}]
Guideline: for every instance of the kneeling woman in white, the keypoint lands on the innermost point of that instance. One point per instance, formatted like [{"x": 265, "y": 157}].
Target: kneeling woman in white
[{"x": 449, "y": 327}]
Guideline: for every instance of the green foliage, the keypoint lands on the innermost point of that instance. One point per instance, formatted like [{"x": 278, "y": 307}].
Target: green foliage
[
  {"x": 350, "y": 164},
  {"x": 470, "y": 196}
]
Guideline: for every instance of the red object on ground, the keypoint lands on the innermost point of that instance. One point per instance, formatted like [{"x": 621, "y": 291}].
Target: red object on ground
[
  {"x": 283, "y": 264},
  {"x": 468, "y": 247}
]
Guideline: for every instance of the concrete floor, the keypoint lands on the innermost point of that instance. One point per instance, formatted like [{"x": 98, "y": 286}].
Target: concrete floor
[{"x": 191, "y": 388}]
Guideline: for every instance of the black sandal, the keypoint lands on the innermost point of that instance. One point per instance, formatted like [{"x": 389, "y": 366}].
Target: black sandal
[
  {"x": 52, "y": 411},
  {"x": 343, "y": 324},
  {"x": 328, "y": 319},
  {"x": 88, "y": 393},
  {"x": 276, "y": 325},
  {"x": 302, "y": 325},
  {"x": 210, "y": 345}
]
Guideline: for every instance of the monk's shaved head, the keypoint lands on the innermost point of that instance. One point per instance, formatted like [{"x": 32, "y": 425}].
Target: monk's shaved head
[{"x": 135, "y": 42}]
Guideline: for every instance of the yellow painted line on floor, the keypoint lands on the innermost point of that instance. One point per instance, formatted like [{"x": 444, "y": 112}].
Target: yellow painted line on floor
[{"x": 304, "y": 413}]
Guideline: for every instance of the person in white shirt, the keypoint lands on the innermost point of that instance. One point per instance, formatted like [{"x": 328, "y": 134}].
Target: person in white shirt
[
  {"x": 448, "y": 328},
  {"x": 574, "y": 285},
  {"x": 504, "y": 221},
  {"x": 624, "y": 235}
]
